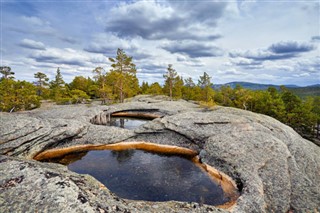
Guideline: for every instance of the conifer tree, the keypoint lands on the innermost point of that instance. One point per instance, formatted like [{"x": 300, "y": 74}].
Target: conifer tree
[
  {"x": 170, "y": 78},
  {"x": 6, "y": 72},
  {"x": 125, "y": 69},
  {"x": 42, "y": 81},
  {"x": 57, "y": 86},
  {"x": 205, "y": 84}
]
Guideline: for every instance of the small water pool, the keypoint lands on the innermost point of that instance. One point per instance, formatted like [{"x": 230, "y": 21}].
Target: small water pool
[
  {"x": 127, "y": 123},
  {"x": 140, "y": 175}
]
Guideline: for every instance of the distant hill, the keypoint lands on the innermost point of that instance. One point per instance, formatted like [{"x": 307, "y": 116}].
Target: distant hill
[
  {"x": 252, "y": 86},
  {"x": 303, "y": 92},
  {"x": 312, "y": 90}
]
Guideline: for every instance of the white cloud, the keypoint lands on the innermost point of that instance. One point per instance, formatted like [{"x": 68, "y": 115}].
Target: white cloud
[
  {"x": 231, "y": 72},
  {"x": 305, "y": 74},
  {"x": 193, "y": 36},
  {"x": 31, "y": 44},
  {"x": 35, "y": 21},
  {"x": 165, "y": 20},
  {"x": 193, "y": 49}
]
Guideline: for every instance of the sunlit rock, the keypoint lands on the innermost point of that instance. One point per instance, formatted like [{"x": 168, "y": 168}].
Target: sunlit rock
[{"x": 275, "y": 169}]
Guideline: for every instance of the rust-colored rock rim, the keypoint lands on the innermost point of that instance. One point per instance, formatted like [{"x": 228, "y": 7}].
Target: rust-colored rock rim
[{"x": 227, "y": 184}]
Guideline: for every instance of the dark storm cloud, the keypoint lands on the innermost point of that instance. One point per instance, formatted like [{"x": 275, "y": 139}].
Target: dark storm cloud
[
  {"x": 171, "y": 20},
  {"x": 290, "y": 47},
  {"x": 193, "y": 49}
]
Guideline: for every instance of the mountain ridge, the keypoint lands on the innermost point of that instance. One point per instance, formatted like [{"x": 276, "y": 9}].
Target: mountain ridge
[
  {"x": 258, "y": 86},
  {"x": 301, "y": 91}
]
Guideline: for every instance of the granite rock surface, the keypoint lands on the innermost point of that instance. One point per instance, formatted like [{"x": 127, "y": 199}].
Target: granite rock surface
[{"x": 275, "y": 169}]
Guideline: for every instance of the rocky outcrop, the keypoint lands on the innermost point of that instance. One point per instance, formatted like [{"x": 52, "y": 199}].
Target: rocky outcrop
[
  {"x": 276, "y": 170},
  {"x": 30, "y": 186}
]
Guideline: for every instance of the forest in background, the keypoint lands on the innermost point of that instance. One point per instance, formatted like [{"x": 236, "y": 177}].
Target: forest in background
[{"x": 120, "y": 82}]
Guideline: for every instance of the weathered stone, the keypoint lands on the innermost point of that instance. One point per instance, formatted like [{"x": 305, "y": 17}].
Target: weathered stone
[
  {"x": 275, "y": 168},
  {"x": 30, "y": 186}
]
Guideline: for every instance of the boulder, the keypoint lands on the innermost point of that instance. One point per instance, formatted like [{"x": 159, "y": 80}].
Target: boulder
[{"x": 275, "y": 169}]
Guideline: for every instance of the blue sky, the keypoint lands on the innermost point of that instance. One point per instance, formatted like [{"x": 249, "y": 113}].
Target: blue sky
[{"x": 257, "y": 41}]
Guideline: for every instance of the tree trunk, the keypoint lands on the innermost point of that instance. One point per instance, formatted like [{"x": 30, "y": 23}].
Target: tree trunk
[
  {"x": 170, "y": 88},
  {"x": 121, "y": 91}
]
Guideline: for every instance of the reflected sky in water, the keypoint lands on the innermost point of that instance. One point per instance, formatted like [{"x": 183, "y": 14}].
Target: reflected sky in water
[
  {"x": 140, "y": 175},
  {"x": 127, "y": 123}
]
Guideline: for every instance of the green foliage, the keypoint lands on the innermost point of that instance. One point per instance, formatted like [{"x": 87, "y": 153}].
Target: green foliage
[
  {"x": 154, "y": 89},
  {"x": 73, "y": 97},
  {"x": 58, "y": 87},
  {"x": 305, "y": 92},
  {"x": 17, "y": 95},
  {"x": 188, "y": 90},
  {"x": 243, "y": 98},
  {"x": 86, "y": 85},
  {"x": 302, "y": 115},
  {"x": 173, "y": 83},
  {"x": 269, "y": 103},
  {"x": 42, "y": 83},
  {"x": 124, "y": 70},
  {"x": 78, "y": 96},
  {"x": 58, "y": 82},
  {"x": 101, "y": 89},
  {"x": 144, "y": 87},
  {"x": 205, "y": 84},
  {"x": 121, "y": 82},
  {"x": 177, "y": 89}
]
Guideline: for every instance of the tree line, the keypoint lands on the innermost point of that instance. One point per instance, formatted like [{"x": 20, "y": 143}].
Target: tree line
[{"x": 121, "y": 82}]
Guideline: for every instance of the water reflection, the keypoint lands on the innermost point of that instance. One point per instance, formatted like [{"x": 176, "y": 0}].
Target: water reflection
[
  {"x": 127, "y": 123},
  {"x": 123, "y": 156},
  {"x": 140, "y": 175}
]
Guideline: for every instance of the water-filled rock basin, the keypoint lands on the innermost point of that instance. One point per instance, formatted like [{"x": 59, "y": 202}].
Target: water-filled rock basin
[
  {"x": 136, "y": 171},
  {"x": 126, "y": 122}
]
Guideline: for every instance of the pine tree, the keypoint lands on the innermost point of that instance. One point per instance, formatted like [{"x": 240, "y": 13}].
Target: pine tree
[
  {"x": 6, "y": 72},
  {"x": 42, "y": 81},
  {"x": 58, "y": 82},
  {"x": 170, "y": 78},
  {"x": 123, "y": 66},
  {"x": 58, "y": 86},
  {"x": 205, "y": 84}
]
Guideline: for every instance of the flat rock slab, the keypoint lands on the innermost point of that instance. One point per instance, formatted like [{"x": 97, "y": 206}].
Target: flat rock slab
[{"x": 275, "y": 168}]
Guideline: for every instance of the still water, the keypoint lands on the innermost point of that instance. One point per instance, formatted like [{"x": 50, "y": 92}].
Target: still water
[
  {"x": 127, "y": 123},
  {"x": 140, "y": 175}
]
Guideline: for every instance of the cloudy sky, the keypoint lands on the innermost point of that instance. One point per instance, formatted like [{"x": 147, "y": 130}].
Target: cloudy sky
[{"x": 256, "y": 41}]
